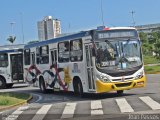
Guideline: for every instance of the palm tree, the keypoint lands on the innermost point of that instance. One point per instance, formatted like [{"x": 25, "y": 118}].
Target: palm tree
[{"x": 11, "y": 39}]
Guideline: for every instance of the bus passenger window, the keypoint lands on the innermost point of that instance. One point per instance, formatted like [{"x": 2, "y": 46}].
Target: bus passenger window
[
  {"x": 63, "y": 51},
  {"x": 44, "y": 55},
  {"x": 38, "y": 55},
  {"x": 27, "y": 56},
  {"x": 76, "y": 50},
  {"x": 4, "y": 60}
]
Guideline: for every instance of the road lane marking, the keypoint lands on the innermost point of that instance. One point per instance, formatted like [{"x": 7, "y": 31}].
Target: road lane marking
[
  {"x": 41, "y": 113},
  {"x": 68, "y": 111},
  {"x": 16, "y": 113},
  {"x": 124, "y": 105},
  {"x": 39, "y": 97},
  {"x": 150, "y": 102},
  {"x": 96, "y": 107}
]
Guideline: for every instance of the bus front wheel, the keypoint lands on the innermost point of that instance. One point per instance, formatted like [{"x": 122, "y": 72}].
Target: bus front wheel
[
  {"x": 78, "y": 89},
  {"x": 2, "y": 83},
  {"x": 120, "y": 92},
  {"x": 42, "y": 86}
]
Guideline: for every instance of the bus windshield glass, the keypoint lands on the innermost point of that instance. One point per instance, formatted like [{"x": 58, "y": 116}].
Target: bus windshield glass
[
  {"x": 3, "y": 60},
  {"x": 118, "y": 54}
]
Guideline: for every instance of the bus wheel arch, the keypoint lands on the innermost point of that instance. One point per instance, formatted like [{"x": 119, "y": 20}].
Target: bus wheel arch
[
  {"x": 42, "y": 85},
  {"x": 77, "y": 86},
  {"x": 2, "y": 82}
]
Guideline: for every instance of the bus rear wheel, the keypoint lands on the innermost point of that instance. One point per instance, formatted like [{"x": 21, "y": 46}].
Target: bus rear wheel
[
  {"x": 42, "y": 86},
  {"x": 2, "y": 83},
  {"x": 78, "y": 89}
]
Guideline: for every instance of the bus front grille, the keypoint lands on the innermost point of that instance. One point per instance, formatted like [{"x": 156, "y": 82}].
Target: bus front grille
[
  {"x": 130, "y": 78},
  {"x": 123, "y": 84}
]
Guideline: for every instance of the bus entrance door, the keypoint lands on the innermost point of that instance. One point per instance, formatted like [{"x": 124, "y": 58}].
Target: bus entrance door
[
  {"x": 89, "y": 64},
  {"x": 17, "y": 67}
]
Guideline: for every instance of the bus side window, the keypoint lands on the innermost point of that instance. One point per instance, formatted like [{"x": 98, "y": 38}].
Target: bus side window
[
  {"x": 44, "y": 55},
  {"x": 76, "y": 50},
  {"x": 54, "y": 57},
  {"x": 27, "y": 57},
  {"x": 38, "y": 55},
  {"x": 33, "y": 58},
  {"x": 63, "y": 51},
  {"x": 4, "y": 60}
]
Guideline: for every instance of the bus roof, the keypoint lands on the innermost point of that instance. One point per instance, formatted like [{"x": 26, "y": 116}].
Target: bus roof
[
  {"x": 59, "y": 39},
  {"x": 11, "y": 48},
  {"x": 72, "y": 36},
  {"x": 122, "y": 28}
]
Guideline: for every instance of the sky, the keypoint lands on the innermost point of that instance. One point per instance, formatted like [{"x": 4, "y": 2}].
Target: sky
[{"x": 75, "y": 15}]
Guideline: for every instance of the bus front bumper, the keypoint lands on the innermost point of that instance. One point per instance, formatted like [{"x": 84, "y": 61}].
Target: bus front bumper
[{"x": 102, "y": 87}]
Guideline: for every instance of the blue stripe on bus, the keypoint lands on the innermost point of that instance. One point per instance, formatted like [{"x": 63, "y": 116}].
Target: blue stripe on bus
[{"x": 46, "y": 42}]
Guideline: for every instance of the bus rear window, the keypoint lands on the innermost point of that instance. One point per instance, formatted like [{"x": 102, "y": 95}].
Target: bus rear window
[{"x": 4, "y": 60}]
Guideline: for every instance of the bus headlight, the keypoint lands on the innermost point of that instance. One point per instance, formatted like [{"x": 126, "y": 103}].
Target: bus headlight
[
  {"x": 103, "y": 78},
  {"x": 139, "y": 75}
]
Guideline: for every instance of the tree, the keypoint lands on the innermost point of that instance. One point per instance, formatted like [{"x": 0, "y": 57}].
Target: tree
[
  {"x": 156, "y": 43},
  {"x": 11, "y": 39},
  {"x": 146, "y": 46}
]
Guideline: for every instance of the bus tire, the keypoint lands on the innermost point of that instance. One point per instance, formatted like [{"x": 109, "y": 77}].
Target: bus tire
[
  {"x": 42, "y": 85},
  {"x": 120, "y": 92},
  {"x": 10, "y": 85},
  {"x": 78, "y": 89},
  {"x": 2, "y": 83}
]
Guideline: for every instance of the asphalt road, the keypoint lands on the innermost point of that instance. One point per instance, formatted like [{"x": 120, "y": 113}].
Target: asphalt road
[{"x": 141, "y": 103}]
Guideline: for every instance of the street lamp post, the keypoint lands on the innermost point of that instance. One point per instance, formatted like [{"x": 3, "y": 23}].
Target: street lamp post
[
  {"x": 21, "y": 14},
  {"x": 132, "y": 13},
  {"x": 12, "y": 28}
]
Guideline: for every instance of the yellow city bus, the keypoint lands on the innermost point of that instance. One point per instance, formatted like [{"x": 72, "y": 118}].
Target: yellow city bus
[{"x": 93, "y": 61}]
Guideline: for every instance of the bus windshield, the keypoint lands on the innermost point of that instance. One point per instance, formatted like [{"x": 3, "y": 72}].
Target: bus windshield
[
  {"x": 118, "y": 54},
  {"x": 3, "y": 60}
]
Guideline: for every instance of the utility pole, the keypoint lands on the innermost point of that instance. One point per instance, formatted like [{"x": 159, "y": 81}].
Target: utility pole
[{"x": 132, "y": 13}]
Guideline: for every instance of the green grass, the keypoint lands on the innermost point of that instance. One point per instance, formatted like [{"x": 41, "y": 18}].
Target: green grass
[
  {"x": 150, "y": 60},
  {"x": 152, "y": 69},
  {"x": 7, "y": 99}
]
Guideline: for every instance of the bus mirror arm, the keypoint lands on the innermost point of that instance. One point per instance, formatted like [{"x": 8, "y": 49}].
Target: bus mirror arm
[{"x": 93, "y": 52}]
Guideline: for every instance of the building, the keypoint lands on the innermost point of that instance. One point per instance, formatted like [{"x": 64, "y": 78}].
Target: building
[
  {"x": 148, "y": 28},
  {"x": 48, "y": 28}
]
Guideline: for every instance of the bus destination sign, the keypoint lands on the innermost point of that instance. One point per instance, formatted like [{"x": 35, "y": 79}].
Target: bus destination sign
[{"x": 116, "y": 34}]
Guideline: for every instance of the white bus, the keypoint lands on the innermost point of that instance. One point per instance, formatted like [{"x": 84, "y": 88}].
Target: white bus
[
  {"x": 11, "y": 65},
  {"x": 94, "y": 61}
]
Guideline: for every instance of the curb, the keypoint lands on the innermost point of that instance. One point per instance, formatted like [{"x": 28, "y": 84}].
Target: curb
[
  {"x": 17, "y": 104},
  {"x": 153, "y": 73}
]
